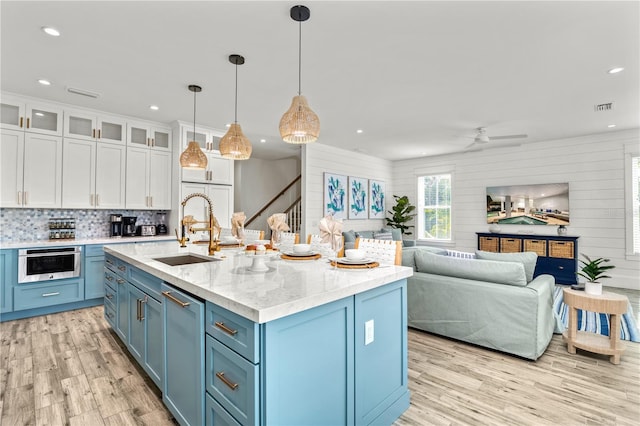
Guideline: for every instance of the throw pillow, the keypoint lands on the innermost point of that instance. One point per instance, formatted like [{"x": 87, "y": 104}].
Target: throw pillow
[
  {"x": 396, "y": 233},
  {"x": 382, "y": 236},
  {"x": 349, "y": 236},
  {"x": 511, "y": 273},
  {"x": 461, "y": 254},
  {"x": 527, "y": 258},
  {"x": 364, "y": 234}
]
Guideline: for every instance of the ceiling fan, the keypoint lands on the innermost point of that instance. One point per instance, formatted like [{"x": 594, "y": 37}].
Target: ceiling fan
[{"x": 482, "y": 138}]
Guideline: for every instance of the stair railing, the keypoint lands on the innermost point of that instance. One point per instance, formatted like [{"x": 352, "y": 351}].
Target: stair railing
[{"x": 273, "y": 200}]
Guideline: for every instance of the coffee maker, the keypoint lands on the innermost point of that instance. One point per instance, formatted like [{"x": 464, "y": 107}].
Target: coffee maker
[
  {"x": 116, "y": 225},
  {"x": 129, "y": 226},
  {"x": 161, "y": 227}
]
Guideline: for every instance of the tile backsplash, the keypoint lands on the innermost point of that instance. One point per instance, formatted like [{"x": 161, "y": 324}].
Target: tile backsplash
[{"x": 17, "y": 225}]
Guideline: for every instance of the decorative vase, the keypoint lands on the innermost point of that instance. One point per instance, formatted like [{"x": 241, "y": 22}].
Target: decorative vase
[
  {"x": 594, "y": 289},
  {"x": 494, "y": 228},
  {"x": 562, "y": 230}
]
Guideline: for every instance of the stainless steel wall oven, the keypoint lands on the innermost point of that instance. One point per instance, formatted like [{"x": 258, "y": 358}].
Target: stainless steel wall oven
[{"x": 49, "y": 264}]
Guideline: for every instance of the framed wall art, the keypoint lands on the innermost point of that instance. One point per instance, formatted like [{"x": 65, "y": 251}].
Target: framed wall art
[
  {"x": 335, "y": 195},
  {"x": 358, "y": 198},
  {"x": 376, "y": 199}
]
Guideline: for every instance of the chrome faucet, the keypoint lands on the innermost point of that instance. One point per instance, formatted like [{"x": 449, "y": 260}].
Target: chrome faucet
[{"x": 212, "y": 224}]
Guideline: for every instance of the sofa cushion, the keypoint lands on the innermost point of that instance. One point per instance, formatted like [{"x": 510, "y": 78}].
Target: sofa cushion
[
  {"x": 364, "y": 234},
  {"x": 511, "y": 273},
  {"x": 349, "y": 236},
  {"x": 527, "y": 258}
]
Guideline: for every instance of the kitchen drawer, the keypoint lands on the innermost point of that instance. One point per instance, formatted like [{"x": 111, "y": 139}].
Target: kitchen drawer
[
  {"x": 215, "y": 415},
  {"x": 109, "y": 293},
  {"x": 145, "y": 282},
  {"x": 116, "y": 265},
  {"x": 28, "y": 296},
  {"x": 232, "y": 381},
  {"x": 111, "y": 279},
  {"x": 235, "y": 331},
  {"x": 110, "y": 313}
]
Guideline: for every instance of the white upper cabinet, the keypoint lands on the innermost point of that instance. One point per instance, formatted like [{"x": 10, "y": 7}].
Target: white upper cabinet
[
  {"x": 219, "y": 170},
  {"x": 86, "y": 125},
  {"x": 154, "y": 137},
  {"x": 35, "y": 117},
  {"x": 148, "y": 183},
  {"x": 94, "y": 175},
  {"x": 31, "y": 170}
]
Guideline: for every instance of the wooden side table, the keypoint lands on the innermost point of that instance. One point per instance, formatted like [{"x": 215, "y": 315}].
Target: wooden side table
[{"x": 606, "y": 303}]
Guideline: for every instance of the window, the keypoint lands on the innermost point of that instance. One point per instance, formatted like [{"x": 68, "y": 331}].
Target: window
[{"x": 434, "y": 207}]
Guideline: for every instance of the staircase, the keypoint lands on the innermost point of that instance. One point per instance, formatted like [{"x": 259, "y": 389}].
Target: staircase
[{"x": 293, "y": 211}]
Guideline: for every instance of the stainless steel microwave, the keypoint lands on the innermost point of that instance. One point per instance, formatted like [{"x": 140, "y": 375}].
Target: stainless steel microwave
[{"x": 49, "y": 264}]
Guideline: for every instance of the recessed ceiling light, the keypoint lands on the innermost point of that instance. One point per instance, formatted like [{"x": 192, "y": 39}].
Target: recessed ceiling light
[
  {"x": 44, "y": 82},
  {"x": 263, "y": 141},
  {"x": 615, "y": 70},
  {"x": 611, "y": 126},
  {"x": 359, "y": 131},
  {"x": 154, "y": 107},
  {"x": 51, "y": 31}
]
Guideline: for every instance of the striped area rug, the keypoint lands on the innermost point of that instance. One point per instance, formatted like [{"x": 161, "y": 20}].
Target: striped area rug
[{"x": 596, "y": 322}]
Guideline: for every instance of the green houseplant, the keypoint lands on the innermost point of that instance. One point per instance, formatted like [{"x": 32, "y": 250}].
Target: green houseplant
[
  {"x": 594, "y": 270},
  {"x": 401, "y": 214}
]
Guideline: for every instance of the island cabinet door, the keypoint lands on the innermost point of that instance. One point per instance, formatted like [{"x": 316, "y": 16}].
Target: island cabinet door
[
  {"x": 122, "y": 308},
  {"x": 308, "y": 367},
  {"x": 183, "y": 389},
  {"x": 381, "y": 387}
]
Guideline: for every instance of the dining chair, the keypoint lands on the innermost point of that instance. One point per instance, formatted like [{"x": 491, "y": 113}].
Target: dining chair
[
  {"x": 384, "y": 251},
  {"x": 288, "y": 239},
  {"x": 253, "y": 235},
  {"x": 324, "y": 249}
]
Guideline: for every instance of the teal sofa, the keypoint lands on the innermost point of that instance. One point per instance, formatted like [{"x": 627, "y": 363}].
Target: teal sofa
[
  {"x": 385, "y": 233},
  {"x": 491, "y": 300}
]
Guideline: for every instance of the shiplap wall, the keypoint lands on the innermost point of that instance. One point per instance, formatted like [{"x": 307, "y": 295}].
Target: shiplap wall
[
  {"x": 317, "y": 159},
  {"x": 593, "y": 166}
]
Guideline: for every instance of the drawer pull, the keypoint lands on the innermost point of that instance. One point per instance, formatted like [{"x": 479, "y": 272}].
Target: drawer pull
[
  {"x": 109, "y": 314},
  {"x": 174, "y": 299},
  {"x": 50, "y": 294},
  {"x": 120, "y": 281},
  {"x": 108, "y": 277},
  {"x": 226, "y": 329},
  {"x": 220, "y": 375},
  {"x": 560, "y": 267},
  {"x": 109, "y": 261},
  {"x": 122, "y": 268},
  {"x": 109, "y": 296}
]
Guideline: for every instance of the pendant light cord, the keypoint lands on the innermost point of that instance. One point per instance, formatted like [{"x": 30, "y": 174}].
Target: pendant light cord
[
  {"x": 299, "y": 58},
  {"x": 235, "y": 116},
  {"x": 194, "y": 115}
]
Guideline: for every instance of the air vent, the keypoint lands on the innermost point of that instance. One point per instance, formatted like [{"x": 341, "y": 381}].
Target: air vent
[
  {"x": 83, "y": 92},
  {"x": 603, "y": 107}
]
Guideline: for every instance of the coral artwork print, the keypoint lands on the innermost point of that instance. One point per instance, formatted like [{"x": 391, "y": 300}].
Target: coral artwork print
[
  {"x": 335, "y": 194},
  {"x": 358, "y": 198},
  {"x": 376, "y": 199}
]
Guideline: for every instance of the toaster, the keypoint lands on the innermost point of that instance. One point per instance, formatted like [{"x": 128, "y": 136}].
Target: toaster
[{"x": 146, "y": 230}]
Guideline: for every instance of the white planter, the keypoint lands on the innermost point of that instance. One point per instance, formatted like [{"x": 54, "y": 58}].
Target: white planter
[{"x": 594, "y": 289}]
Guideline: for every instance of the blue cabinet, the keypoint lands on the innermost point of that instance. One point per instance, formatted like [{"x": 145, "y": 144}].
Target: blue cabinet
[
  {"x": 115, "y": 274},
  {"x": 183, "y": 389},
  {"x": 47, "y": 293},
  {"x": 93, "y": 271},
  {"x": 9, "y": 275}
]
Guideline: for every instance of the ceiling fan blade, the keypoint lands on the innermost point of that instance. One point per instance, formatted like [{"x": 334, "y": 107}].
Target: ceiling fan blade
[{"x": 497, "y": 138}]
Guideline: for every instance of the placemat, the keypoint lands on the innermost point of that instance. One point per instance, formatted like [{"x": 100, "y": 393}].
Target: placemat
[
  {"x": 363, "y": 266},
  {"x": 312, "y": 257},
  {"x": 224, "y": 246}
]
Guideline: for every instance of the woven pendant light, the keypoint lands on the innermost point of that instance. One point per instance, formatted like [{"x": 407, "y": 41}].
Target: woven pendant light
[
  {"x": 193, "y": 157},
  {"x": 235, "y": 145},
  {"x": 299, "y": 124}
]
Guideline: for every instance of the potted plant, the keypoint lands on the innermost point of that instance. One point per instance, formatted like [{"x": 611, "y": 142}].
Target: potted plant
[
  {"x": 401, "y": 214},
  {"x": 594, "y": 270}
]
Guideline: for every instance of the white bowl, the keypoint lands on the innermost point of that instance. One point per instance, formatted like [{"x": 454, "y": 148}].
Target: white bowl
[
  {"x": 354, "y": 254},
  {"x": 301, "y": 248}
]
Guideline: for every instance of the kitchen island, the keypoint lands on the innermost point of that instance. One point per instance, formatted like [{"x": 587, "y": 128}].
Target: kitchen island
[{"x": 298, "y": 343}]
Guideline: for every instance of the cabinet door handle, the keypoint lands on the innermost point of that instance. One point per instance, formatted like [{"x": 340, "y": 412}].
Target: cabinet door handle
[
  {"x": 91, "y": 199},
  {"x": 226, "y": 329},
  {"x": 19, "y": 198},
  {"x": 50, "y": 294},
  {"x": 174, "y": 299},
  {"x": 21, "y": 121},
  {"x": 99, "y": 133},
  {"x": 220, "y": 375},
  {"x": 28, "y": 122},
  {"x": 97, "y": 200},
  {"x": 153, "y": 142},
  {"x": 142, "y": 302},
  {"x": 24, "y": 196},
  {"x": 94, "y": 133}
]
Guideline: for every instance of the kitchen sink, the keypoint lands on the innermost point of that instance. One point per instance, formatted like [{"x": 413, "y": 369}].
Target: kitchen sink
[{"x": 185, "y": 259}]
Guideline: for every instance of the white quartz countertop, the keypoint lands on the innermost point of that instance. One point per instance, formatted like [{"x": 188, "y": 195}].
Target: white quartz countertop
[
  {"x": 83, "y": 242},
  {"x": 288, "y": 287}
]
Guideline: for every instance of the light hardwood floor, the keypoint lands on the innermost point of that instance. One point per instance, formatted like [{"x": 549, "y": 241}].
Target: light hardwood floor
[{"x": 70, "y": 368}]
